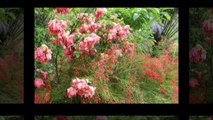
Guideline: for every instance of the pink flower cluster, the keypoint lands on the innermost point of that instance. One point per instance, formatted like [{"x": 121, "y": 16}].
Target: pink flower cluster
[
  {"x": 197, "y": 54},
  {"x": 40, "y": 82},
  {"x": 43, "y": 53},
  {"x": 63, "y": 10},
  {"x": 84, "y": 17},
  {"x": 81, "y": 87},
  {"x": 193, "y": 83},
  {"x": 67, "y": 40},
  {"x": 56, "y": 26},
  {"x": 92, "y": 27},
  {"x": 87, "y": 45},
  {"x": 100, "y": 12},
  {"x": 208, "y": 26},
  {"x": 69, "y": 53},
  {"x": 118, "y": 32}
]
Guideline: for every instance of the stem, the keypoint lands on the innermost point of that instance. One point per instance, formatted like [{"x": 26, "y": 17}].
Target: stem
[{"x": 56, "y": 63}]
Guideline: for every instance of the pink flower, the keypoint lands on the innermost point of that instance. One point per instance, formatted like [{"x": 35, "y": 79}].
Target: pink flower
[
  {"x": 122, "y": 32},
  {"x": 87, "y": 92},
  {"x": 79, "y": 84},
  {"x": 87, "y": 45},
  {"x": 95, "y": 37},
  {"x": 193, "y": 83},
  {"x": 60, "y": 39},
  {"x": 197, "y": 54},
  {"x": 63, "y": 10},
  {"x": 111, "y": 35},
  {"x": 38, "y": 83},
  {"x": 43, "y": 53},
  {"x": 100, "y": 12},
  {"x": 69, "y": 53},
  {"x": 81, "y": 87},
  {"x": 71, "y": 92},
  {"x": 56, "y": 26},
  {"x": 84, "y": 28},
  {"x": 208, "y": 26},
  {"x": 118, "y": 31},
  {"x": 68, "y": 40},
  {"x": 94, "y": 26}
]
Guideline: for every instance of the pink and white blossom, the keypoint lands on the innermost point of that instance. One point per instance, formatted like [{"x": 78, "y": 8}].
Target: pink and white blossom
[
  {"x": 43, "y": 53},
  {"x": 38, "y": 83},
  {"x": 56, "y": 26},
  {"x": 80, "y": 87},
  {"x": 71, "y": 92},
  {"x": 197, "y": 54}
]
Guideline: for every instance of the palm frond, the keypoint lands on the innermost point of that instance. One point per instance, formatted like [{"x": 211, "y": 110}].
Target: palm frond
[
  {"x": 171, "y": 27},
  {"x": 16, "y": 30}
]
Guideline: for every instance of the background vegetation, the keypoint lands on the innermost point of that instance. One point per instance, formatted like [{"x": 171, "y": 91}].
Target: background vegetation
[{"x": 11, "y": 55}]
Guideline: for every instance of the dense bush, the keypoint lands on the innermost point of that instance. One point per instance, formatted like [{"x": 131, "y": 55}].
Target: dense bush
[
  {"x": 89, "y": 55},
  {"x": 201, "y": 55}
]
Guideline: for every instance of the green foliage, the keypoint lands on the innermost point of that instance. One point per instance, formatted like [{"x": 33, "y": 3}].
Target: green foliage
[{"x": 8, "y": 14}]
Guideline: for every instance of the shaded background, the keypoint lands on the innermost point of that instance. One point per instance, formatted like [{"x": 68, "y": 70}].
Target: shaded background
[{"x": 11, "y": 55}]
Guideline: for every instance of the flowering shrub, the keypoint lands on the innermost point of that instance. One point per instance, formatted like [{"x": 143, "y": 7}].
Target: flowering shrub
[
  {"x": 92, "y": 46},
  {"x": 201, "y": 56}
]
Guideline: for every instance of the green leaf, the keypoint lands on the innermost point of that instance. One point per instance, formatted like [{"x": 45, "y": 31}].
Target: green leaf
[
  {"x": 12, "y": 15},
  {"x": 77, "y": 53},
  {"x": 166, "y": 15}
]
